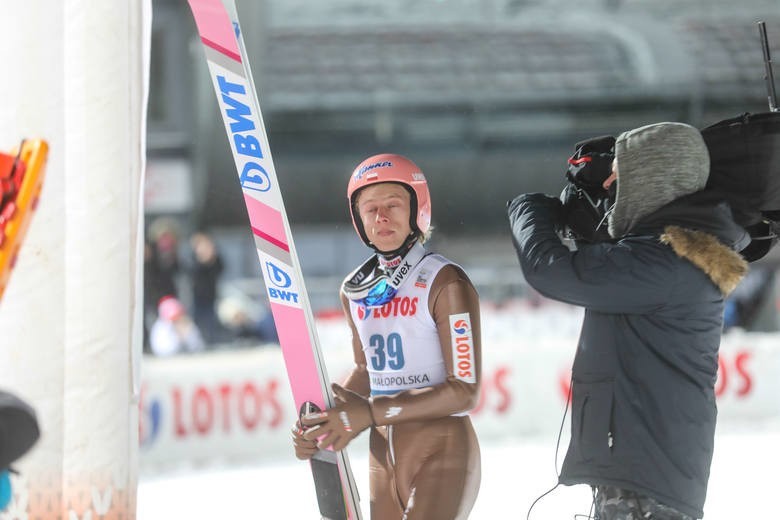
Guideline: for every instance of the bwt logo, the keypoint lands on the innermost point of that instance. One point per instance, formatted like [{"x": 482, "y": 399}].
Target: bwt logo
[
  {"x": 277, "y": 276},
  {"x": 282, "y": 281},
  {"x": 241, "y": 125},
  {"x": 461, "y": 327}
]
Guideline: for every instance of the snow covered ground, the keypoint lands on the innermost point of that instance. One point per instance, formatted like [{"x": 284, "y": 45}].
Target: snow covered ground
[{"x": 743, "y": 485}]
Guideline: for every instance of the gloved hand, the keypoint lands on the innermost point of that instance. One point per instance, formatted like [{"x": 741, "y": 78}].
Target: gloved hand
[
  {"x": 543, "y": 206},
  {"x": 542, "y": 199},
  {"x": 304, "y": 449},
  {"x": 342, "y": 423}
]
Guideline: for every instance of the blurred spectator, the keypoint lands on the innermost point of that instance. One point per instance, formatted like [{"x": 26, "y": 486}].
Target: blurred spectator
[
  {"x": 161, "y": 266},
  {"x": 247, "y": 321},
  {"x": 164, "y": 259},
  {"x": 205, "y": 272},
  {"x": 150, "y": 305},
  {"x": 745, "y": 307},
  {"x": 174, "y": 331}
]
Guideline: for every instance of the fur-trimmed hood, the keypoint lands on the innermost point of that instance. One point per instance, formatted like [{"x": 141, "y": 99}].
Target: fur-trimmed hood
[
  {"x": 723, "y": 265},
  {"x": 700, "y": 228}
]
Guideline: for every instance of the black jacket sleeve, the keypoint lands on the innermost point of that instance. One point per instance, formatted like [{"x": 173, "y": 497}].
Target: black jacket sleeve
[{"x": 624, "y": 277}]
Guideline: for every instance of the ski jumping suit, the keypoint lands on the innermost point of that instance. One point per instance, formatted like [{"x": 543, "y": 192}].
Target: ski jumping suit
[{"x": 418, "y": 356}]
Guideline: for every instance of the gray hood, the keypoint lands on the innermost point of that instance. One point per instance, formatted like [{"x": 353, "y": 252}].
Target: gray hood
[{"x": 656, "y": 164}]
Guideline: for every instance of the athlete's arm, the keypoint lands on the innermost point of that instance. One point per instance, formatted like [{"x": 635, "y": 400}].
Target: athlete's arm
[
  {"x": 454, "y": 306},
  {"x": 357, "y": 380}
]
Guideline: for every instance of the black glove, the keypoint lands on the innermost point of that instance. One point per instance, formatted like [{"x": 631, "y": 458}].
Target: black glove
[{"x": 544, "y": 206}]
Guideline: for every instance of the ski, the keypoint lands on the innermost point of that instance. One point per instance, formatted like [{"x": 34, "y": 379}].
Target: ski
[{"x": 220, "y": 34}]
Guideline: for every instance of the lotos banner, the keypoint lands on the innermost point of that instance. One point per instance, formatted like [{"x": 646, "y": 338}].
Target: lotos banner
[{"x": 236, "y": 406}]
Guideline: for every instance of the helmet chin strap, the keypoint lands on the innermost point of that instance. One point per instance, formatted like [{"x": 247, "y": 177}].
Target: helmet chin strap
[{"x": 389, "y": 259}]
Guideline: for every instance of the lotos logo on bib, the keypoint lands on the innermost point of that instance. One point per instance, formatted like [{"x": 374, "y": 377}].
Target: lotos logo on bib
[{"x": 398, "y": 306}]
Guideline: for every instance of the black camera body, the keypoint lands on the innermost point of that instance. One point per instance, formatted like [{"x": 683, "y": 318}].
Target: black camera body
[
  {"x": 744, "y": 171},
  {"x": 586, "y": 203}
]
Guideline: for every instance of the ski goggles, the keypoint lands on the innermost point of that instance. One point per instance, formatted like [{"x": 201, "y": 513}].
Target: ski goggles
[
  {"x": 372, "y": 287},
  {"x": 380, "y": 293}
]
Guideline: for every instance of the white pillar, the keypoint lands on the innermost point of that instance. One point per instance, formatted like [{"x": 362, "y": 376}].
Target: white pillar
[{"x": 75, "y": 73}]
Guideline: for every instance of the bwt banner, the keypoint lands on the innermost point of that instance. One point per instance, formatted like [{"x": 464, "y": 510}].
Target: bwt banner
[{"x": 225, "y": 406}]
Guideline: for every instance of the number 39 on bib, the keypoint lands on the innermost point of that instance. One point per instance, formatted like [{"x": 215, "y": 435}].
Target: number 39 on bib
[{"x": 463, "y": 364}]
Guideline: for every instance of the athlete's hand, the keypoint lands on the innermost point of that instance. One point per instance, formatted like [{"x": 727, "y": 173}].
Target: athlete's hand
[
  {"x": 342, "y": 423},
  {"x": 304, "y": 449}
]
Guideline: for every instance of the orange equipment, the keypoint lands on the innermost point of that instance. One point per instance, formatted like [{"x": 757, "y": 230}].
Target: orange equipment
[{"x": 21, "y": 180}]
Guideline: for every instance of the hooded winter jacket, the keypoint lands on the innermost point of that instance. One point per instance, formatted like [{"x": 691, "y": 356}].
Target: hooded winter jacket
[{"x": 643, "y": 400}]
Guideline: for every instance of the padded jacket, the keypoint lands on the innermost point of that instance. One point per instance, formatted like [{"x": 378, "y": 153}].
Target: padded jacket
[{"x": 643, "y": 402}]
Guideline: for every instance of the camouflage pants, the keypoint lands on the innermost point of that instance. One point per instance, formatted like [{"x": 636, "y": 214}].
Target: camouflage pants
[{"x": 613, "y": 503}]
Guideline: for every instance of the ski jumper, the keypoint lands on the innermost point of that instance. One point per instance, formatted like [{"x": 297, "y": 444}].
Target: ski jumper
[{"x": 418, "y": 357}]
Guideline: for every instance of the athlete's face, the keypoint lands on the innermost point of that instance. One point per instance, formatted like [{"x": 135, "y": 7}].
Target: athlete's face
[{"x": 384, "y": 211}]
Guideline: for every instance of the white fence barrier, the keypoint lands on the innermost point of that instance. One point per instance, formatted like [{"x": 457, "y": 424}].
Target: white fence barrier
[{"x": 236, "y": 406}]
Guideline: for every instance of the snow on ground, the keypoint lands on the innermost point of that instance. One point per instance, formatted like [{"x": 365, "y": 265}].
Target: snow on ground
[{"x": 743, "y": 484}]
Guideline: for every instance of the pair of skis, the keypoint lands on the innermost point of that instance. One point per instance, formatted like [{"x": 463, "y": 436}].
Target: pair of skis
[{"x": 220, "y": 34}]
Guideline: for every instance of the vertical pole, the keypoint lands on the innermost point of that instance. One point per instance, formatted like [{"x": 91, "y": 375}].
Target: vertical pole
[{"x": 768, "y": 76}]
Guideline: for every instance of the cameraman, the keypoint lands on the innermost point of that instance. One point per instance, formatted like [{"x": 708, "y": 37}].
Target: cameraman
[{"x": 643, "y": 400}]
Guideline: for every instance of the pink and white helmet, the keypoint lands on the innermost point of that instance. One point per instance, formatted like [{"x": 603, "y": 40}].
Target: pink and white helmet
[{"x": 391, "y": 167}]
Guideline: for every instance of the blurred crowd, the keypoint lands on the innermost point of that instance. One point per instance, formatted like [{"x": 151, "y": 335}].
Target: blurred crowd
[
  {"x": 188, "y": 309},
  {"x": 754, "y": 305},
  {"x": 184, "y": 310}
]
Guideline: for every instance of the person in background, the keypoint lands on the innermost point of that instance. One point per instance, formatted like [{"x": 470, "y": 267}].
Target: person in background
[
  {"x": 751, "y": 307},
  {"x": 164, "y": 264},
  {"x": 642, "y": 394},
  {"x": 150, "y": 304},
  {"x": 415, "y": 323},
  {"x": 174, "y": 331},
  {"x": 161, "y": 269},
  {"x": 247, "y": 322},
  {"x": 204, "y": 273}
]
